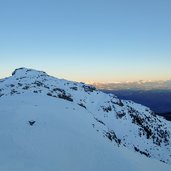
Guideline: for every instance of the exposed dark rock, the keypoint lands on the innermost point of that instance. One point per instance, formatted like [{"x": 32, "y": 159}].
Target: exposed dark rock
[
  {"x": 58, "y": 89},
  {"x": 16, "y": 71},
  {"x": 65, "y": 97},
  {"x": 13, "y": 91},
  {"x": 74, "y": 88},
  {"x": 31, "y": 123},
  {"x": 120, "y": 114},
  {"x": 120, "y": 103},
  {"x": 26, "y": 88},
  {"x": 159, "y": 135},
  {"x": 88, "y": 88},
  {"x": 49, "y": 94},
  {"x": 38, "y": 83},
  {"x": 81, "y": 104},
  {"x": 106, "y": 109},
  {"x": 141, "y": 152},
  {"x": 112, "y": 136},
  {"x": 46, "y": 87},
  {"x": 19, "y": 84},
  {"x": 99, "y": 121},
  {"x": 1, "y": 95},
  {"x": 142, "y": 123}
]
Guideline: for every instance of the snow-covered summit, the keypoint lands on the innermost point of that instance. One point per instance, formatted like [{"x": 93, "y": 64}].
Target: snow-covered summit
[
  {"x": 42, "y": 101},
  {"x": 29, "y": 72}
]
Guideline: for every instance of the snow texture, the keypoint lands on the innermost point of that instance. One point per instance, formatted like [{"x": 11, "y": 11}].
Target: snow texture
[{"x": 54, "y": 124}]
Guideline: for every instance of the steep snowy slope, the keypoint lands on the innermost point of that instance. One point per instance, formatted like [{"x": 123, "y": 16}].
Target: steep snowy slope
[
  {"x": 62, "y": 138},
  {"x": 48, "y": 124}
]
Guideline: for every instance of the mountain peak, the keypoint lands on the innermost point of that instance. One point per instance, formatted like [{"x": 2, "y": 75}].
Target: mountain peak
[
  {"x": 123, "y": 122},
  {"x": 27, "y": 71}
]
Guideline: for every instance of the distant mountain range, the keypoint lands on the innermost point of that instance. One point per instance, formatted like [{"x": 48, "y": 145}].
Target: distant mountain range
[{"x": 139, "y": 85}]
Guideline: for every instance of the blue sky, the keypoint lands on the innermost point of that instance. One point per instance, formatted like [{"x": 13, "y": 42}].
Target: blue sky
[{"x": 87, "y": 40}]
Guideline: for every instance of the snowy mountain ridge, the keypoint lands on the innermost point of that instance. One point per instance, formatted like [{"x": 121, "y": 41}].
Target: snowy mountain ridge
[{"x": 123, "y": 123}]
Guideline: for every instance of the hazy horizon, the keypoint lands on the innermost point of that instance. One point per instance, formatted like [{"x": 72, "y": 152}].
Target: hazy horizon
[{"x": 9, "y": 73}]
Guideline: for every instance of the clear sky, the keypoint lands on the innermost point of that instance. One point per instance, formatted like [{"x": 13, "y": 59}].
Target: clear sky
[{"x": 87, "y": 40}]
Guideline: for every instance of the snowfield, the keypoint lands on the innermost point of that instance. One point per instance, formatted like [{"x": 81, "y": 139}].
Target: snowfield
[{"x": 52, "y": 124}]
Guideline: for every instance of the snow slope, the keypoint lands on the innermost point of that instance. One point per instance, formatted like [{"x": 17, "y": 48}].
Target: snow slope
[{"x": 75, "y": 127}]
